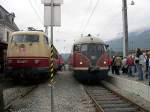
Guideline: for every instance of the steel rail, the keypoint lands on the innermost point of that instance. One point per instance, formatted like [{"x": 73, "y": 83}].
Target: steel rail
[
  {"x": 19, "y": 97},
  {"x": 117, "y": 102},
  {"x": 129, "y": 100},
  {"x": 97, "y": 106}
]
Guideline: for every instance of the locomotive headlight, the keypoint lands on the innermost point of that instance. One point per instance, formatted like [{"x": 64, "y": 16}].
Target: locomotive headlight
[
  {"x": 36, "y": 61},
  {"x": 105, "y": 62},
  {"x": 81, "y": 62}
]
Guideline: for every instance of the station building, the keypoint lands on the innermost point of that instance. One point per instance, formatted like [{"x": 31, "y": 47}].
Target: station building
[{"x": 7, "y": 26}]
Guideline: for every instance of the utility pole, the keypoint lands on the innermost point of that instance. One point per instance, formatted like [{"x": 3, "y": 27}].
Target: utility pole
[
  {"x": 125, "y": 28},
  {"x": 46, "y": 30},
  {"x": 52, "y": 53},
  {"x": 52, "y": 18},
  {"x": 132, "y": 47}
]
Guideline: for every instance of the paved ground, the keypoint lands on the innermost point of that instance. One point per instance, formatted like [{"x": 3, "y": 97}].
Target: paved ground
[{"x": 69, "y": 96}]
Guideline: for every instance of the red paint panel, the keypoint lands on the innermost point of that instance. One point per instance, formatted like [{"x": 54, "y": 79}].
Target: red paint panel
[
  {"x": 103, "y": 61},
  {"x": 70, "y": 60},
  {"x": 80, "y": 60},
  {"x": 24, "y": 62},
  {"x": 59, "y": 60}
]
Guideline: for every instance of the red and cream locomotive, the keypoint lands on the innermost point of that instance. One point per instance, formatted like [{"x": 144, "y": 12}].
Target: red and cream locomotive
[{"x": 89, "y": 59}]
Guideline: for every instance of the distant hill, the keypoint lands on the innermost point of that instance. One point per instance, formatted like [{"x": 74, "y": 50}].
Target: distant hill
[{"x": 139, "y": 39}]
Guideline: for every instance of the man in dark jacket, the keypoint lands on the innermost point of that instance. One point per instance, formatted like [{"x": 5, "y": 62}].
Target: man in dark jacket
[
  {"x": 140, "y": 61},
  {"x": 148, "y": 65},
  {"x": 113, "y": 65}
]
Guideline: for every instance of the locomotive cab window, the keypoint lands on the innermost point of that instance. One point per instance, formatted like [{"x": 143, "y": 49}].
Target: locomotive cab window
[
  {"x": 77, "y": 47},
  {"x": 25, "y": 38}
]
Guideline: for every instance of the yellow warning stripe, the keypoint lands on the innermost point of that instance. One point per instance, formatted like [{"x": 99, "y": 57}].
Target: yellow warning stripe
[{"x": 52, "y": 67}]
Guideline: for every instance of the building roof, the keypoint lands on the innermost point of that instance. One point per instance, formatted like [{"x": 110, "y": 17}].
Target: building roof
[
  {"x": 11, "y": 26},
  {"x": 4, "y": 9},
  {"x": 6, "y": 19}
]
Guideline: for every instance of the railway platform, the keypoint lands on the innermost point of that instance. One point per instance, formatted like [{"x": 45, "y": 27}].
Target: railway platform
[{"x": 131, "y": 84}]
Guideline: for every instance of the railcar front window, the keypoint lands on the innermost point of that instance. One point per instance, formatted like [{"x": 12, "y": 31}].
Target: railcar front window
[
  {"x": 77, "y": 47},
  {"x": 96, "y": 48},
  {"x": 25, "y": 38},
  {"x": 100, "y": 48},
  {"x": 92, "y": 48}
]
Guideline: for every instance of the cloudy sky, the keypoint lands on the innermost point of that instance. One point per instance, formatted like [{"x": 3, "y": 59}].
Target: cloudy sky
[{"x": 106, "y": 21}]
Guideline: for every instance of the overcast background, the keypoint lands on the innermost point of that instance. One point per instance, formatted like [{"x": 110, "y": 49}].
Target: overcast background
[{"x": 106, "y": 21}]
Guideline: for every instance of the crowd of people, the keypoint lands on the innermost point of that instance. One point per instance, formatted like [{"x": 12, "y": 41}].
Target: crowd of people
[{"x": 132, "y": 65}]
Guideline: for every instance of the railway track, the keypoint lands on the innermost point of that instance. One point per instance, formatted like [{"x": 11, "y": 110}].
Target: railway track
[
  {"x": 20, "y": 96},
  {"x": 105, "y": 100}
]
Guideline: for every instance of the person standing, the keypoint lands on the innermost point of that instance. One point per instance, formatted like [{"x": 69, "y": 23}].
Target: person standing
[
  {"x": 138, "y": 66},
  {"x": 113, "y": 65},
  {"x": 118, "y": 63},
  {"x": 130, "y": 63},
  {"x": 148, "y": 65},
  {"x": 109, "y": 62},
  {"x": 144, "y": 67},
  {"x": 142, "y": 63},
  {"x": 124, "y": 66}
]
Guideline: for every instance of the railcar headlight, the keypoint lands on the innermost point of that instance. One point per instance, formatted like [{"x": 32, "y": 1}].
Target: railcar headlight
[
  {"x": 36, "y": 61},
  {"x": 81, "y": 62},
  {"x": 105, "y": 62}
]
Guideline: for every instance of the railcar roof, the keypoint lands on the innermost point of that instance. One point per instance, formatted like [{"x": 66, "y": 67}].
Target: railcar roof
[
  {"x": 89, "y": 39},
  {"x": 28, "y": 32}
]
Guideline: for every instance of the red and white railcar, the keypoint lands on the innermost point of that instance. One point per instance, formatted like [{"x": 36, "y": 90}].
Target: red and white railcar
[{"x": 89, "y": 59}]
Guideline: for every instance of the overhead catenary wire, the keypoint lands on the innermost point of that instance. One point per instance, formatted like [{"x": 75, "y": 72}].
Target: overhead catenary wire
[
  {"x": 35, "y": 11},
  {"x": 85, "y": 16},
  {"x": 37, "y": 5},
  {"x": 89, "y": 18}
]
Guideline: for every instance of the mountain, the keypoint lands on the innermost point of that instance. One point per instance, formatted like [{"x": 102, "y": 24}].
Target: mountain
[{"x": 139, "y": 39}]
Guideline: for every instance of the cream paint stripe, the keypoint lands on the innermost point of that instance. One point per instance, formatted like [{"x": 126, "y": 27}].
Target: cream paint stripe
[
  {"x": 86, "y": 68},
  {"x": 80, "y": 68},
  {"x": 103, "y": 68}
]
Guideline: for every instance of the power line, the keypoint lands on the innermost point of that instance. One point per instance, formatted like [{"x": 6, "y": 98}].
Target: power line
[
  {"x": 86, "y": 25},
  {"x": 85, "y": 16},
  {"x": 35, "y": 12},
  {"x": 37, "y": 5}
]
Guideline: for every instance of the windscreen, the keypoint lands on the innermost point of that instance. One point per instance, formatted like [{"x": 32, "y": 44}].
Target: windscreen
[
  {"x": 25, "y": 38},
  {"x": 93, "y": 51}
]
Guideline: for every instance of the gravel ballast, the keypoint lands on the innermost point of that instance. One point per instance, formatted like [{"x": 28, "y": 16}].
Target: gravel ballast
[{"x": 68, "y": 96}]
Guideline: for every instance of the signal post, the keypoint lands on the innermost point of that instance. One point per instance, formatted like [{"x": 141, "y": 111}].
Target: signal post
[{"x": 52, "y": 18}]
